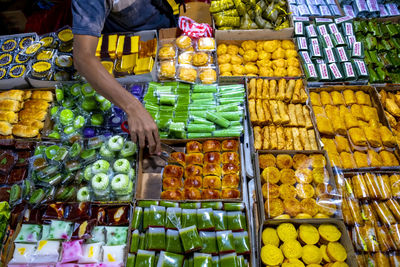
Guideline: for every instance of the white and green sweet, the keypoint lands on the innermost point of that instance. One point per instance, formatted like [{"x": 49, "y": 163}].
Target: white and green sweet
[
  {"x": 60, "y": 230},
  {"x": 100, "y": 181},
  {"x": 91, "y": 253},
  {"x": 105, "y": 152},
  {"x": 100, "y": 166},
  {"x": 116, "y": 235},
  {"x": 29, "y": 233},
  {"x": 129, "y": 149},
  {"x": 120, "y": 182},
  {"x": 131, "y": 173},
  {"x": 46, "y": 251},
  {"x": 115, "y": 143},
  {"x": 114, "y": 254},
  {"x": 122, "y": 166},
  {"x": 83, "y": 194},
  {"x": 98, "y": 235},
  {"x": 88, "y": 174},
  {"x": 125, "y": 191},
  {"x": 23, "y": 253},
  {"x": 45, "y": 231}
]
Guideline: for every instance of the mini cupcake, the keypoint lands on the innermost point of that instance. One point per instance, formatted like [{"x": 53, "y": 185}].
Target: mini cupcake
[
  {"x": 9, "y": 45},
  {"x": 25, "y": 42},
  {"x": 17, "y": 71},
  {"x": 5, "y": 59},
  {"x": 65, "y": 35},
  {"x": 41, "y": 69}
]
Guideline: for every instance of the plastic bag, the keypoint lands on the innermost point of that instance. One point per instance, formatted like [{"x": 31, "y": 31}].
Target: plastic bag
[
  {"x": 190, "y": 239},
  {"x": 173, "y": 218},
  {"x": 225, "y": 242},
  {"x": 145, "y": 258},
  {"x": 98, "y": 235},
  {"x": 29, "y": 233},
  {"x": 72, "y": 251},
  {"x": 205, "y": 219},
  {"x": 189, "y": 217},
  {"x": 137, "y": 217},
  {"x": 229, "y": 260},
  {"x": 209, "y": 242},
  {"x": 236, "y": 221},
  {"x": 155, "y": 238},
  {"x": 242, "y": 242},
  {"x": 23, "y": 253},
  {"x": 220, "y": 220},
  {"x": 114, "y": 254},
  {"x": 173, "y": 242},
  {"x": 202, "y": 260},
  {"x": 91, "y": 253},
  {"x": 116, "y": 235},
  {"x": 169, "y": 259},
  {"x": 60, "y": 230},
  {"x": 134, "y": 241}
]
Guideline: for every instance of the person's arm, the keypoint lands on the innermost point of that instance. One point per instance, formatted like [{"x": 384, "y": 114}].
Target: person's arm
[{"x": 141, "y": 125}]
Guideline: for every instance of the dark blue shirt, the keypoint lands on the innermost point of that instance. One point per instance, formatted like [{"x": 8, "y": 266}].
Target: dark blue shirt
[{"x": 93, "y": 17}]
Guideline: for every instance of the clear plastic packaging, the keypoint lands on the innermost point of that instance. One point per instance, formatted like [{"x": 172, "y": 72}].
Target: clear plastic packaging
[
  {"x": 209, "y": 242},
  {"x": 155, "y": 238},
  {"x": 206, "y": 44},
  {"x": 187, "y": 73},
  {"x": 190, "y": 239},
  {"x": 116, "y": 235},
  {"x": 170, "y": 259},
  {"x": 208, "y": 75},
  {"x": 225, "y": 241}
]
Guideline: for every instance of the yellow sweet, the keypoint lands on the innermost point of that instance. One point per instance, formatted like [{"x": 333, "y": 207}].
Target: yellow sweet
[
  {"x": 288, "y": 44},
  {"x": 227, "y": 67},
  {"x": 226, "y": 58},
  {"x": 208, "y": 76},
  {"x": 286, "y": 231},
  {"x": 292, "y": 249},
  {"x": 222, "y": 49},
  {"x": 279, "y": 53},
  {"x": 311, "y": 254},
  {"x": 271, "y": 255},
  {"x": 250, "y": 55},
  {"x": 238, "y": 70},
  {"x": 249, "y": 45},
  {"x": 271, "y": 46},
  {"x": 188, "y": 74},
  {"x": 233, "y": 49},
  {"x": 236, "y": 60},
  {"x": 270, "y": 236},
  {"x": 251, "y": 68}
]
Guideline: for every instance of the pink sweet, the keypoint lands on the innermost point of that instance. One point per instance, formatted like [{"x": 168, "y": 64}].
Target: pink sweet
[
  {"x": 72, "y": 251},
  {"x": 110, "y": 264},
  {"x": 65, "y": 264},
  {"x": 87, "y": 265}
]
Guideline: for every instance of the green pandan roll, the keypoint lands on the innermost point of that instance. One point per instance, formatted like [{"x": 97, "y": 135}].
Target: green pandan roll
[{"x": 218, "y": 119}]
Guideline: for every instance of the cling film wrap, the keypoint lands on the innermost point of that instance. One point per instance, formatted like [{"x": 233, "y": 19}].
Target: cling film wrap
[
  {"x": 297, "y": 185},
  {"x": 353, "y": 128},
  {"x": 280, "y": 115}
]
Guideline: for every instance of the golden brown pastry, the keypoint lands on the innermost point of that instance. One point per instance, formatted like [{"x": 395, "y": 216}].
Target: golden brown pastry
[
  {"x": 370, "y": 216},
  {"x": 36, "y": 104},
  {"x": 230, "y": 194},
  {"x": 325, "y": 98},
  {"x": 270, "y": 190},
  {"x": 284, "y": 161},
  {"x": 337, "y": 98},
  {"x": 280, "y": 135},
  {"x": 342, "y": 144},
  {"x": 305, "y": 191},
  {"x": 27, "y": 94},
  {"x": 395, "y": 184},
  {"x": 187, "y": 73},
  {"x": 310, "y": 206},
  {"x": 184, "y": 58},
  {"x": 212, "y": 182},
  {"x": 230, "y": 181},
  {"x": 178, "y": 157},
  {"x": 318, "y": 160},
  {"x": 230, "y": 157},
  {"x": 193, "y": 182},
  {"x": 370, "y": 113},
  {"x": 258, "y": 138},
  {"x": 193, "y": 170},
  {"x": 206, "y": 43},
  {"x": 9, "y": 116},
  {"x": 394, "y": 259},
  {"x": 212, "y": 169},
  {"x": 272, "y": 137},
  {"x": 392, "y": 107},
  {"x": 329, "y": 145},
  {"x": 10, "y": 105},
  {"x": 230, "y": 168},
  {"x": 230, "y": 145},
  {"x": 211, "y": 146},
  {"x": 173, "y": 171},
  {"x": 387, "y": 137},
  {"x": 307, "y": 118},
  {"x": 284, "y": 113},
  {"x": 361, "y": 159},
  {"x": 381, "y": 259},
  {"x": 301, "y": 161},
  {"x": 287, "y": 176},
  {"x": 273, "y": 207},
  {"x": 349, "y": 97},
  {"x": 28, "y": 114},
  {"x": 388, "y": 158},
  {"x": 167, "y": 51},
  {"x": 5, "y": 128},
  {"x": 288, "y": 139},
  {"x": 17, "y": 95},
  {"x": 194, "y": 159},
  {"x": 357, "y": 136},
  {"x": 266, "y": 160},
  {"x": 24, "y": 131},
  {"x": 363, "y": 98},
  {"x": 359, "y": 186},
  {"x": 373, "y": 136},
  {"x": 210, "y": 194},
  {"x": 192, "y": 193},
  {"x": 320, "y": 175},
  {"x": 395, "y": 232},
  {"x": 252, "y": 111},
  {"x": 315, "y": 99},
  {"x": 43, "y": 95},
  {"x": 200, "y": 59},
  {"x": 385, "y": 215},
  {"x": 172, "y": 195},
  {"x": 323, "y": 190},
  {"x": 394, "y": 207},
  {"x": 172, "y": 183},
  {"x": 212, "y": 157},
  {"x": 348, "y": 161},
  {"x": 305, "y": 141},
  {"x": 167, "y": 69},
  {"x": 287, "y": 191},
  {"x": 304, "y": 176},
  {"x": 194, "y": 147},
  {"x": 324, "y": 125},
  {"x": 292, "y": 207},
  {"x": 357, "y": 111},
  {"x": 32, "y": 123},
  {"x": 374, "y": 158},
  {"x": 355, "y": 210},
  {"x": 368, "y": 235},
  {"x": 183, "y": 42},
  {"x": 270, "y": 175}
]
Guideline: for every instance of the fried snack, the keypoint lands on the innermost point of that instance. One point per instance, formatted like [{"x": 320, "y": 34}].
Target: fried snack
[
  {"x": 349, "y": 119},
  {"x": 192, "y": 193},
  {"x": 324, "y": 125},
  {"x": 301, "y": 161},
  {"x": 17, "y": 95},
  {"x": 24, "y": 131},
  {"x": 194, "y": 159},
  {"x": 348, "y": 161},
  {"x": 336, "y": 251},
  {"x": 258, "y": 144},
  {"x": 270, "y": 190},
  {"x": 305, "y": 191},
  {"x": 194, "y": 147},
  {"x": 289, "y": 91},
  {"x": 10, "y": 105},
  {"x": 230, "y": 194},
  {"x": 395, "y": 233},
  {"x": 373, "y": 136},
  {"x": 230, "y": 168},
  {"x": 267, "y": 114},
  {"x": 319, "y": 111},
  {"x": 359, "y": 187},
  {"x": 260, "y": 112},
  {"x": 178, "y": 157},
  {"x": 208, "y": 76},
  {"x": 292, "y": 207},
  {"x": 183, "y": 42},
  {"x": 212, "y": 169},
  {"x": 200, "y": 59},
  {"x": 27, "y": 94},
  {"x": 9, "y": 116},
  {"x": 230, "y": 181},
  {"x": 309, "y": 206},
  {"x": 357, "y": 111},
  {"x": 357, "y": 136},
  {"x": 361, "y": 159},
  {"x": 272, "y": 137},
  {"x": 29, "y": 114},
  {"x": 287, "y": 191},
  {"x": 36, "y": 104},
  {"x": 223, "y": 59},
  {"x": 320, "y": 175},
  {"x": 42, "y": 95},
  {"x": 283, "y": 112},
  {"x": 318, "y": 160},
  {"x": 271, "y": 255},
  {"x": 172, "y": 195},
  {"x": 212, "y": 157},
  {"x": 5, "y": 128},
  {"x": 274, "y": 207},
  {"x": 272, "y": 89},
  {"x": 342, "y": 144},
  {"x": 355, "y": 211},
  {"x": 173, "y": 171},
  {"x": 259, "y": 89},
  {"x": 251, "y": 87},
  {"x": 374, "y": 158},
  {"x": 370, "y": 113},
  {"x": 193, "y": 170},
  {"x": 212, "y": 182},
  {"x": 392, "y": 107},
  {"x": 312, "y": 139},
  {"x": 230, "y": 157},
  {"x": 265, "y": 89},
  {"x": 303, "y": 176},
  {"x": 315, "y": 99},
  {"x": 172, "y": 183},
  {"x": 381, "y": 259},
  {"x": 373, "y": 186},
  {"x": 210, "y": 194},
  {"x": 270, "y": 175},
  {"x": 325, "y": 98},
  {"x": 385, "y": 215},
  {"x": 292, "y": 115},
  {"x": 194, "y": 182},
  {"x": 292, "y": 250},
  {"x": 387, "y": 137},
  {"x": 167, "y": 69},
  {"x": 252, "y": 111},
  {"x": 222, "y": 49},
  {"x": 307, "y": 117},
  {"x": 266, "y": 160},
  {"x": 305, "y": 142},
  {"x": 187, "y": 73},
  {"x": 280, "y": 134},
  {"x": 337, "y": 98},
  {"x": 370, "y": 217},
  {"x": 288, "y": 176},
  {"x": 274, "y": 110},
  {"x": 296, "y": 139},
  {"x": 166, "y": 52},
  {"x": 308, "y": 234},
  {"x": 388, "y": 158},
  {"x": 394, "y": 207},
  {"x": 395, "y": 184},
  {"x": 281, "y": 89},
  {"x": 363, "y": 98},
  {"x": 323, "y": 190},
  {"x": 288, "y": 139},
  {"x": 211, "y": 146},
  {"x": 284, "y": 161}
]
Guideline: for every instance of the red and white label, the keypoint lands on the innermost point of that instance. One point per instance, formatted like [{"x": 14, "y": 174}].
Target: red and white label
[
  {"x": 335, "y": 70},
  {"x": 324, "y": 71},
  {"x": 383, "y": 11},
  {"x": 322, "y": 30},
  {"x": 333, "y": 28},
  {"x": 357, "y": 49},
  {"x": 315, "y": 46},
  {"x": 329, "y": 55},
  {"x": 342, "y": 54},
  {"x": 349, "y": 29},
  {"x": 328, "y": 40},
  {"x": 361, "y": 5},
  {"x": 339, "y": 38},
  {"x": 306, "y": 57},
  {"x": 299, "y": 28},
  {"x": 311, "y": 31},
  {"x": 312, "y": 70},
  {"x": 362, "y": 67},
  {"x": 349, "y": 69},
  {"x": 303, "y": 43}
]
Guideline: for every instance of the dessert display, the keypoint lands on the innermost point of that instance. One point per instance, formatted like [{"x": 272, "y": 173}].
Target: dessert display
[
  {"x": 391, "y": 105},
  {"x": 321, "y": 8},
  {"x": 23, "y": 112},
  {"x": 351, "y": 129},
  {"x": 273, "y": 58},
  {"x": 297, "y": 186},
  {"x": 280, "y": 116}
]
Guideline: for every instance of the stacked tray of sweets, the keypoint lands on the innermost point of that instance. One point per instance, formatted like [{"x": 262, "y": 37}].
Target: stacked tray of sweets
[
  {"x": 389, "y": 97},
  {"x": 371, "y": 212},
  {"x": 353, "y": 128}
]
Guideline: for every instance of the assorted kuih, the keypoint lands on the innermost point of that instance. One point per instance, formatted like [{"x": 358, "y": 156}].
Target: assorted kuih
[
  {"x": 73, "y": 234},
  {"x": 246, "y": 15},
  {"x": 381, "y": 41},
  {"x": 330, "y": 51},
  {"x": 314, "y": 8},
  {"x": 216, "y": 232},
  {"x": 280, "y": 116},
  {"x": 23, "y": 112},
  {"x": 208, "y": 170},
  {"x": 274, "y": 58},
  {"x": 391, "y": 104},
  {"x": 303, "y": 244},
  {"x": 188, "y": 60},
  {"x": 297, "y": 186},
  {"x": 351, "y": 129},
  {"x": 182, "y": 111}
]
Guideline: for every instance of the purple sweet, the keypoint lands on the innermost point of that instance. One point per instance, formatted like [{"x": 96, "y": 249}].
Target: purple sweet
[
  {"x": 89, "y": 132},
  {"x": 72, "y": 251}
]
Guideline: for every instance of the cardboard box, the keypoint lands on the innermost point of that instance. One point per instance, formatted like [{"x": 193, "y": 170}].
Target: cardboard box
[{"x": 198, "y": 11}]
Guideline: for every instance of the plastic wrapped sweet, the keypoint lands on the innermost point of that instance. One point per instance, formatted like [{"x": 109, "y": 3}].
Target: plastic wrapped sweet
[
  {"x": 208, "y": 75},
  {"x": 173, "y": 242},
  {"x": 23, "y": 253},
  {"x": 190, "y": 238},
  {"x": 225, "y": 241},
  {"x": 114, "y": 254},
  {"x": 167, "y": 69},
  {"x": 187, "y": 73},
  {"x": 155, "y": 238},
  {"x": 91, "y": 253},
  {"x": 71, "y": 251},
  {"x": 170, "y": 259},
  {"x": 60, "y": 230},
  {"x": 46, "y": 252},
  {"x": 29, "y": 233},
  {"x": 116, "y": 235},
  {"x": 167, "y": 51},
  {"x": 209, "y": 241},
  {"x": 183, "y": 42},
  {"x": 206, "y": 44}
]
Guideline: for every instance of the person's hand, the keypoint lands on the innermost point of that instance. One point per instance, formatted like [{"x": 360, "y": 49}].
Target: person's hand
[{"x": 143, "y": 129}]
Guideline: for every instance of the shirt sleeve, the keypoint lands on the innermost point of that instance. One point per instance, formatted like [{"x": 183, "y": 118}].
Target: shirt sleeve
[{"x": 89, "y": 16}]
